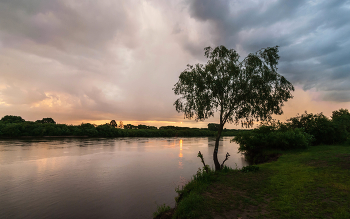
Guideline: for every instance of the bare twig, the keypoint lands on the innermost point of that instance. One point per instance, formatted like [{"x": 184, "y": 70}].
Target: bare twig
[
  {"x": 200, "y": 155},
  {"x": 227, "y": 155}
]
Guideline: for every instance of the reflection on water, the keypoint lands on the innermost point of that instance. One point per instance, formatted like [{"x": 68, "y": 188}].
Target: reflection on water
[
  {"x": 180, "y": 154},
  {"x": 99, "y": 178}
]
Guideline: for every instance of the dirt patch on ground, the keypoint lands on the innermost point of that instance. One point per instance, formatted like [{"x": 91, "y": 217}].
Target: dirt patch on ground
[
  {"x": 265, "y": 158},
  {"x": 273, "y": 157},
  {"x": 345, "y": 160},
  {"x": 250, "y": 211},
  {"x": 318, "y": 163},
  {"x": 235, "y": 198}
]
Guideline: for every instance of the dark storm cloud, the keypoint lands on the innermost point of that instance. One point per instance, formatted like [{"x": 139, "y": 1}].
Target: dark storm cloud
[
  {"x": 82, "y": 27},
  {"x": 314, "y": 36}
]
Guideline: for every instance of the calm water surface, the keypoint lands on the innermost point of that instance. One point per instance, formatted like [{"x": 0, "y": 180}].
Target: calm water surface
[{"x": 99, "y": 178}]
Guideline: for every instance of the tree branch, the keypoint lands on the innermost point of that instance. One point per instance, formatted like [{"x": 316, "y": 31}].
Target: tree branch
[
  {"x": 227, "y": 155},
  {"x": 205, "y": 166}
]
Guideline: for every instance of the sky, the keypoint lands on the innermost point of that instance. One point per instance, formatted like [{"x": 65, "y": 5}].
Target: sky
[{"x": 94, "y": 61}]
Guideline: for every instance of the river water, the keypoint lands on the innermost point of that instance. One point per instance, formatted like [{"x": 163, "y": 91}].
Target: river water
[{"x": 100, "y": 178}]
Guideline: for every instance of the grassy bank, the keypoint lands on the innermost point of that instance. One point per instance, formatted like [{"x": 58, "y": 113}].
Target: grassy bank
[{"x": 311, "y": 183}]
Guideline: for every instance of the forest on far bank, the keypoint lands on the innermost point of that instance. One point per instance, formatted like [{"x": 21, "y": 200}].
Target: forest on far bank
[{"x": 15, "y": 126}]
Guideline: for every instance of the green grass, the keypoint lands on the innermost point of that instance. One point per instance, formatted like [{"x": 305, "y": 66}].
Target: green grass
[
  {"x": 313, "y": 183},
  {"x": 161, "y": 209}
]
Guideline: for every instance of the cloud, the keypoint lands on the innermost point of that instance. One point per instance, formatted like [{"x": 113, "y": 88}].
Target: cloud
[
  {"x": 16, "y": 95},
  {"x": 313, "y": 35},
  {"x": 113, "y": 59},
  {"x": 81, "y": 28},
  {"x": 90, "y": 60}
]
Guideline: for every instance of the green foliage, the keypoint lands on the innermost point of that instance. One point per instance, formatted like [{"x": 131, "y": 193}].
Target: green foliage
[
  {"x": 89, "y": 129},
  {"x": 12, "y": 119},
  {"x": 190, "y": 203},
  {"x": 213, "y": 126},
  {"x": 191, "y": 207},
  {"x": 251, "y": 168},
  {"x": 205, "y": 167},
  {"x": 318, "y": 125},
  {"x": 46, "y": 120},
  {"x": 129, "y": 126},
  {"x": 266, "y": 137},
  {"x": 297, "y": 133},
  {"x": 146, "y": 127},
  {"x": 239, "y": 91},
  {"x": 308, "y": 184},
  {"x": 174, "y": 127},
  {"x": 161, "y": 209},
  {"x": 269, "y": 137},
  {"x": 341, "y": 122},
  {"x": 13, "y": 128},
  {"x": 314, "y": 183},
  {"x": 107, "y": 130}
]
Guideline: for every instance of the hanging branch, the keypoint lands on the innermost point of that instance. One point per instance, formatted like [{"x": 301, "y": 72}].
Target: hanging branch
[
  {"x": 227, "y": 155},
  {"x": 200, "y": 155}
]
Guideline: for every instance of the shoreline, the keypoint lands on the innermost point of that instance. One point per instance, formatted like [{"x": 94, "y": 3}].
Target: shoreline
[
  {"x": 85, "y": 136},
  {"x": 309, "y": 183}
]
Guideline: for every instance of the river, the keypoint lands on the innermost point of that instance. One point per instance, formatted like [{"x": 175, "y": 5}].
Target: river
[{"x": 100, "y": 178}]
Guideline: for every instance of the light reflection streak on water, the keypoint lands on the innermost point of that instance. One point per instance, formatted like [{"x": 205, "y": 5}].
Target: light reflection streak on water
[{"x": 180, "y": 156}]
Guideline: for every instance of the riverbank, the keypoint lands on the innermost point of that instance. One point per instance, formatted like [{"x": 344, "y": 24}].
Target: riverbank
[
  {"x": 312, "y": 183},
  {"x": 29, "y": 129}
]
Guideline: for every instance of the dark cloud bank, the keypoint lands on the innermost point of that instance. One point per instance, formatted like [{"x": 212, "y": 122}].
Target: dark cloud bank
[{"x": 314, "y": 37}]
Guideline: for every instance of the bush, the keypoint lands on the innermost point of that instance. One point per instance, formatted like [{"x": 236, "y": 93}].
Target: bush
[
  {"x": 318, "y": 125},
  {"x": 270, "y": 137},
  {"x": 341, "y": 122}
]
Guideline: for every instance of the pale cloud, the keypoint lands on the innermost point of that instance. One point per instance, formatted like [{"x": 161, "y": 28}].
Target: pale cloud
[{"x": 95, "y": 61}]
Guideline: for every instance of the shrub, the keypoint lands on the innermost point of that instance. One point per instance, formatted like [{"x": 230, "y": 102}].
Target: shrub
[
  {"x": 271, "y": 137},
  {"x": 318, "y": 125},
  {"x": 341, "y": 122}
]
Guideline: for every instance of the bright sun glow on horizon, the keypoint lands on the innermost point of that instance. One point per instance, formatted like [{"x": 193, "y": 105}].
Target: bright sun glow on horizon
[{"x": 302, "y": 101}]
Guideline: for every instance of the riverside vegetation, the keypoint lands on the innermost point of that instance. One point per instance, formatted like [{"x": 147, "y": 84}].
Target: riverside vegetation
[
  {"x": 16, "y": 126},
  {"x": 311, "y": 178},
  {"x": 239, "y": 91}
]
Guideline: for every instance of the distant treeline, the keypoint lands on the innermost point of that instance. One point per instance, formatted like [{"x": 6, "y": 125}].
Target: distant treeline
[{"x": 15, "y": 126}]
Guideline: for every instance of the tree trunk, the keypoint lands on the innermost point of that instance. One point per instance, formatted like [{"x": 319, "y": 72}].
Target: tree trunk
[{"x": 215, "y": 154}]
